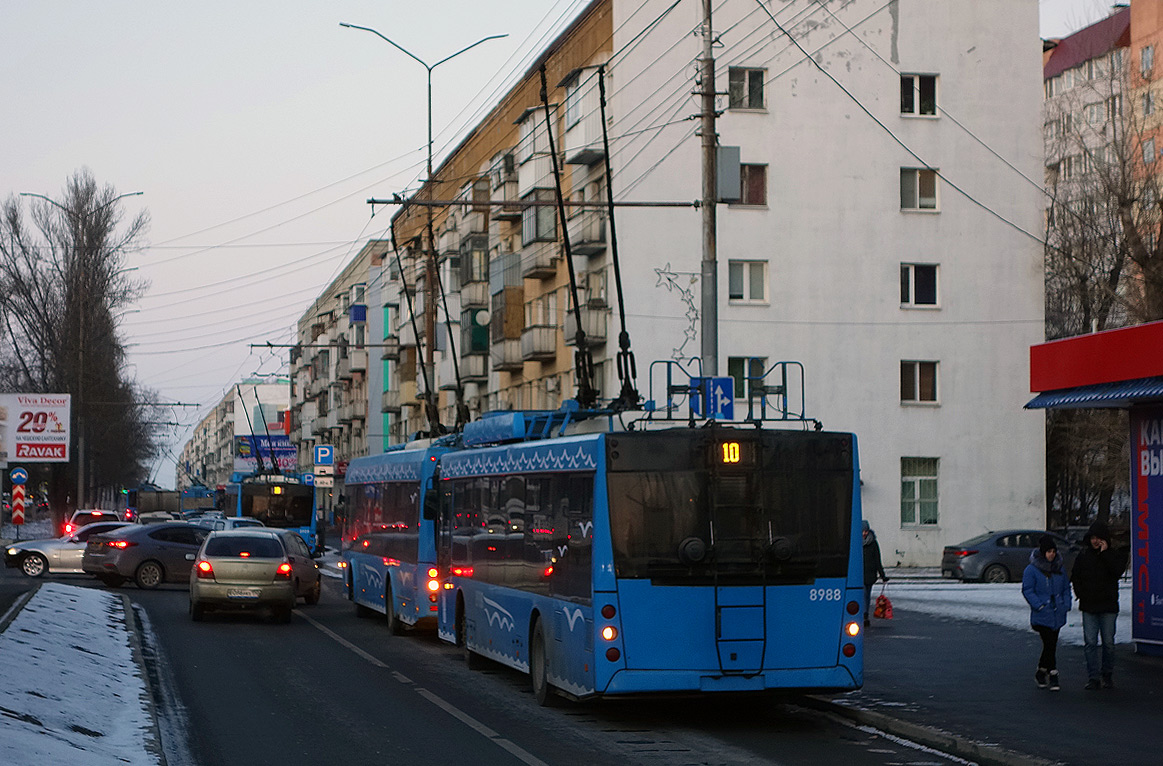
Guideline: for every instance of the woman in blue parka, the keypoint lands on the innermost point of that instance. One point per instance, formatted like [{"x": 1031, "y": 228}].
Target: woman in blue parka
[{"x": 1047, "y": 591}]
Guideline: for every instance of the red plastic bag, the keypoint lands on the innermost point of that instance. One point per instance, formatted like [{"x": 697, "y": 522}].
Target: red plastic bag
[{"x": 883, "y": 608}]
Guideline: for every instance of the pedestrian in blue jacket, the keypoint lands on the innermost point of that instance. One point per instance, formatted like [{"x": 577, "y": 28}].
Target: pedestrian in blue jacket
[{"x": 1047, "y": 591}]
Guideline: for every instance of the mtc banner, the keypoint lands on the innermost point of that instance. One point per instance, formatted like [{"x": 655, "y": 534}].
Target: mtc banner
[
  {"x": 1147, "y": 528},
  {"x": 34, "y": 428},
  {"x": 253, "y": 453}
]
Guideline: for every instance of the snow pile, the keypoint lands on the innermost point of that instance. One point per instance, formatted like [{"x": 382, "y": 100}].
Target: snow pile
[{"x": 70, "y": 686}]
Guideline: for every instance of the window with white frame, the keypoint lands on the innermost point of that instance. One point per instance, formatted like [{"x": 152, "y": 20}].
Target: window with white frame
[
  {"x": 753, "y": 183},
  {"x": 1148, "y": 151},
  {"x": 538, "y": 222},
  {"x": 1146, "y": 59},
  {"x": 918, "y": 189},
  {"x": 919, "y": 491},
  {"x": 919, "y": 94},
  {"x": 918, "y": 382},
  {"x": 573, "y": 103},
  {"x": 745, "y": 88},
  {"x": 1114, "y": 107},
  {"x": 747, "y": 281},
  {"x": 533, "y": 138},
  {"x": 1094, "y": 114},
  {"x": 918, "y": 284},
  {"x": 743, "y": 367},
  {"x": 1148, "y": 104}
]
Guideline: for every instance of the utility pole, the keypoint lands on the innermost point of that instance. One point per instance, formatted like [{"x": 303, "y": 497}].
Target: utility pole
[{"x": 710, "y": 271}]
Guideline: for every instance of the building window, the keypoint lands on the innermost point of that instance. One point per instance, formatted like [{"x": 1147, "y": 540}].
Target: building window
[
  {"x": 534, "y": 140},
  {"x": 918, "y": 382},
  {"x": 539, "y": 222},
  {"x": 1094, "y": 114},
  {"x": 918, "y": 189},
  {"x": 918, "y": 491},
  {"x": 919, "y": 94},
  {"x": 747, "y": 281},
  {"x": 1148, "y": 104},
  {"x": 918, "y": 284},
  {"x": 1148, "y": 151},
  {"x": 1114, "y": 107},
  {"x": 753, "y": 183},
  {"x": 572, "y": 103},
  {"x": 743, "y": 367},
  {"x": 1146, "y": 59},
  {"x": 745, "y": 88}
]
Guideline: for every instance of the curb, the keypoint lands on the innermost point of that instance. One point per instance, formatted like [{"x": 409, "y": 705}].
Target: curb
[
  {"x": 17, "y": 605},
  {"x": 942, "y": 741},
  {"x": 154, "y": 739}
]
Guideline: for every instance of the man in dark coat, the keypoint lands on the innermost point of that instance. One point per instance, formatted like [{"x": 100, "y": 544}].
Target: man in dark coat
[
  {"x": 872, "y": 567},
  {"x": 1096, "y": 585}
]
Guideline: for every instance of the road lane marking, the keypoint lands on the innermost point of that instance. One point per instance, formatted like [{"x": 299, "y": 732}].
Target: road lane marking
[{"x": 521, "y": 754}]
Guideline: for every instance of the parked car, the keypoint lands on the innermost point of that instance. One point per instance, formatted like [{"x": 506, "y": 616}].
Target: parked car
[
  {"x": 261, "y": 569},
  {"x": 219, "y": 523},
  {"x": 149, "y": 554},
  {"x": 999, "y": 556},
  {"x": 87, "y": 516},
  {"x": 59, "y": 555}
]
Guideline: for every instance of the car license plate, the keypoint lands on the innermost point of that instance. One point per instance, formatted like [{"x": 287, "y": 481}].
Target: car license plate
[{"x": 242, "y": 593}]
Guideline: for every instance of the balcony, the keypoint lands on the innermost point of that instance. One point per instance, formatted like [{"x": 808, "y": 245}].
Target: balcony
[
  {"x": 535, "y": 172},
  {"x": 583, "y": 141},
  {"x": 587, "y": 232},
  {"x": 594, "y": 323},
  {"x": 506, "y": 356},
  {"x": 539, "y": 260},
  {"x": 473, "y": 222},
  {"x": 345, "y": 412},
  {"x": 391, "y": 348},
  {"x": 506, "y": 191},
  {"x": 359, "y": 409},
  {"x": 473, "y": 369},
  {"x": 474, "y": 295},
  {"x": 539, "y": 343},
  {"x": 358, "y": 360},
  {"x": 318, "y": 386},
  {"x": 407, "y": 338},
  {"x": 319, "y": 426},
  {"x": 343, "y": 368},
  {"x": 390, "y": 401}
]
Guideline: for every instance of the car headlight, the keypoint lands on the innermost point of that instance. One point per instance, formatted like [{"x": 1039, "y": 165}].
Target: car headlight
[{"x": 13, "y": 551}]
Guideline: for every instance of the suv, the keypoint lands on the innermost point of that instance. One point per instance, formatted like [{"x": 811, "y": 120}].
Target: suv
[{"x": 87, "y": 516}]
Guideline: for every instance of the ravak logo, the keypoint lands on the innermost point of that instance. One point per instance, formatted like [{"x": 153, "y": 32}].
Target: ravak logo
[
  {"x": 55, "y": 451},
  {"x": 575, "y": 617},
  {"x": 498, "y": 615}
]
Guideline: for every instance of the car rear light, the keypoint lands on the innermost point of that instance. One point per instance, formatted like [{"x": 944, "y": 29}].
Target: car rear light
[
  {"x": 965, "y": 552},
  {"x": 69, "y": 529},
  {"x": 205, "y": 570},
  {"x": 120, "y": 544},
  {"x": 283, "y": 572}
]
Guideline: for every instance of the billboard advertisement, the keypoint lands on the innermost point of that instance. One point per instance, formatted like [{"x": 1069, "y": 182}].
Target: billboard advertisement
[
  {"x": 34, "y": 428},
  {"x": 253, "y": 453},
  {"x": 1147, "y": 527}
]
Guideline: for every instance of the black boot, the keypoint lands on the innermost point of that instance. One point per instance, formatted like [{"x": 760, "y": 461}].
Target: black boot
[
  {"x": 1042, "y": 678},
  {"x": 1054, "y": 685}
]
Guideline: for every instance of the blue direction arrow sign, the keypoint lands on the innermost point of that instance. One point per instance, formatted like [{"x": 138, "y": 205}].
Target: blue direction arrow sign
[{"x": 19, "y": 476}]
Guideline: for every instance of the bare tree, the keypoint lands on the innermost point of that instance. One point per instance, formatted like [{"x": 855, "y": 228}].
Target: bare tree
[{"x": 62, "y": 283}]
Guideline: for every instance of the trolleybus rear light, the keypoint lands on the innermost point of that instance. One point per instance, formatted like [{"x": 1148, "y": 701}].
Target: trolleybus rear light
[
  {"x": 609, "y": 632},
  {"x": 608, "y": 611},
  {"x": 852, "y": 629},
  {"x": 433, "y": 586},
  {"x": 433, "y": 572},
  {"x": 849, "y": 650},
  {"x": 612, "y": 654},
  {"x": 853, "y": 607},
  {"x": 462, "y": 571}
]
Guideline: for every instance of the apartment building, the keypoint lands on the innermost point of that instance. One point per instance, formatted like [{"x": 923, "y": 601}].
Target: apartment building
[
  {"x": 330, "y": 367},
  {"x": 222, "y": 441},
  {"x": 876, "y": 223}
]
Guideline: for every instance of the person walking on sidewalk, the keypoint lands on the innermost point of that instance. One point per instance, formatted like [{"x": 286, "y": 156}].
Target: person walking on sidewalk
[
  {"x": 1096, "y": 584},
  {"x": 1047, "y": 591},
  {"x": 872, "y": 567}
]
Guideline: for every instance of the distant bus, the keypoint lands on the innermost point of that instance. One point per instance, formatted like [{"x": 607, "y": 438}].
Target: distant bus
[
  {"x": 708, "y": 559},
  {"x": 389, "y": 535},
  {"x": 149, "y": 499},
  {"x": 282, "y": 501}
]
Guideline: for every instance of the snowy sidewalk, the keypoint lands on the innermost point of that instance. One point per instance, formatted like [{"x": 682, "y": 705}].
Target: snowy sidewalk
[{"x": 72, "y": 685}]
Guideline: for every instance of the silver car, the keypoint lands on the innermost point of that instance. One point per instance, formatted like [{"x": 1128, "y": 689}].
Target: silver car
[
  {"x": 58, "y": 555},
  {"x": 253, "y": 569}
]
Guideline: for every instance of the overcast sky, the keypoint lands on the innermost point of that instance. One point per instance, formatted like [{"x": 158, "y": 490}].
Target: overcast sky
[{"x": 256, "y": 130}]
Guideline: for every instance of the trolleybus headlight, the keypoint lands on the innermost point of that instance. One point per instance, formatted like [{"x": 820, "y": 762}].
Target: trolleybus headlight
[
  {"x": 608, "y": 611},
  {"x": 853, "y": 607},
  {"x": 849, "y": 650},
  {"x": 852, "y": 629},
  {"x": 609, "y": 632}
]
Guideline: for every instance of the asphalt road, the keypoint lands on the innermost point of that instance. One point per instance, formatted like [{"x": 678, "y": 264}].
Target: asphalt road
[{"x": 331, "y": 687}]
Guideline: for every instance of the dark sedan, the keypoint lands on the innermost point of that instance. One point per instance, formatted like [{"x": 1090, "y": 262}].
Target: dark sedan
[
  {"x": 999, "y": 556},
  {"x": 149, "y": 555}
]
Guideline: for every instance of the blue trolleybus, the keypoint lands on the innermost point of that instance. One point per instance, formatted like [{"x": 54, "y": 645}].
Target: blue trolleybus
[
  {"x": 282, "y": 501},
  {"x": 389, "y": 537},
  {"x": 663, "y": 559}
]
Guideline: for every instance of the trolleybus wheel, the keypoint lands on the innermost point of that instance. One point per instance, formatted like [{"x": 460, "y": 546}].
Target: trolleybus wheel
[
  {"x": 538, "y": 672},
  {"x": 473, "y": 660},
  {"x": 394, "y": 625}
]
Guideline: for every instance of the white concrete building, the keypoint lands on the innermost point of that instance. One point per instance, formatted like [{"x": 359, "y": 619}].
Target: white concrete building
[{"x": 884, "y": 232}]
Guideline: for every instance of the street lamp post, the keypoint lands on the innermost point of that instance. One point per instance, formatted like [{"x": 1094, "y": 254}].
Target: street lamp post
[
  {"x": 81, "y": 488},
  {"x": 430, "y": 260}
]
